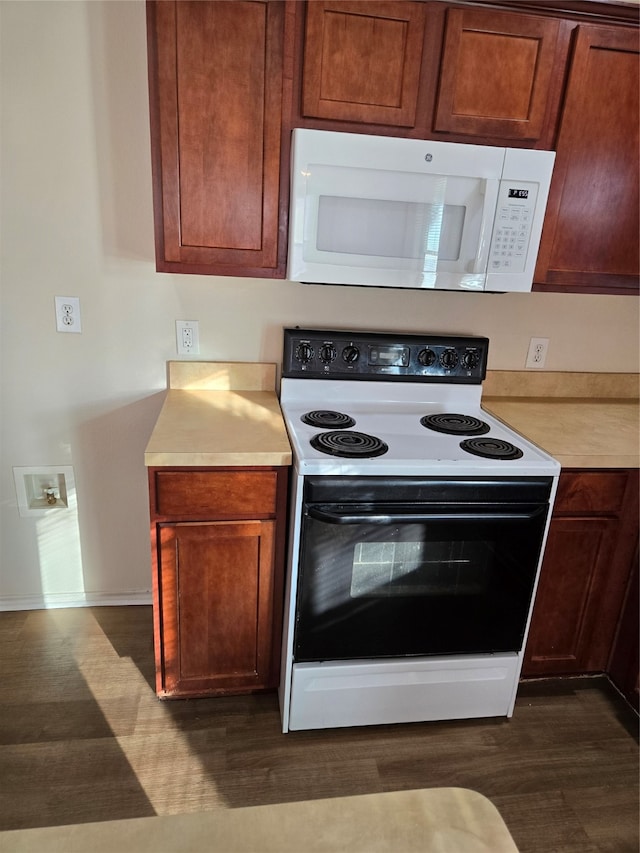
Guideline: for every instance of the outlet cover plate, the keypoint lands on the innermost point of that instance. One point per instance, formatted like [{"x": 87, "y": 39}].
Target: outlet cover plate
[
  {"x": 68, "y": 314},
  {"x": 187, "y": 337},
  {"x": 537, "y": 353}
]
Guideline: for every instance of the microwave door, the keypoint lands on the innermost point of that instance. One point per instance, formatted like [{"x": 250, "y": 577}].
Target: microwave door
[{"x": 377, "y": 227}]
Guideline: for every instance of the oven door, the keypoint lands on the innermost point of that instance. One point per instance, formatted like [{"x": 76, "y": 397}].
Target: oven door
[{"x": 380, "y": 580}]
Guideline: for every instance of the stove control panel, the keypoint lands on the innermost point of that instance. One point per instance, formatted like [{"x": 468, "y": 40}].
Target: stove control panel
[{"x": 323, "y": 354}]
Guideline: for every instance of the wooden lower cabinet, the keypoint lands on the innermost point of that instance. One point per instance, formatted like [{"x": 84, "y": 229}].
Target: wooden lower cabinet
[
  {"x": 218, "y": 579},
  {"x": 585, "y": 573},
  {"x": 624, "y": 663}
]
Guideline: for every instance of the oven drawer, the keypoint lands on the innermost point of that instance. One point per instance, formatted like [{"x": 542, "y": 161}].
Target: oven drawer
[
  {"x": 375, "y": 692},
  {"x": 226, "y": 493},
  {"x": 591, "y": 491}
]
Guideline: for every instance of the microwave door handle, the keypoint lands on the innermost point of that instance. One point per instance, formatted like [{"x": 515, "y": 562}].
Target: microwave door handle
[
  {"x": 491, "y": 190},
  {"x": 399, "y": 517}
]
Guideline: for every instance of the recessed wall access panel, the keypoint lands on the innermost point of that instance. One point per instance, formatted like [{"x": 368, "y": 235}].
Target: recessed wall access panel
[{"x": 40, "y": 489}]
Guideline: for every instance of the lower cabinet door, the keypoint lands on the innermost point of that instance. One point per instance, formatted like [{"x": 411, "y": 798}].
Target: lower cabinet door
[
  {"x": 569, "y": 633},
  {"x": 216, "y": 603},
  {"x": 585, "y": 572}
]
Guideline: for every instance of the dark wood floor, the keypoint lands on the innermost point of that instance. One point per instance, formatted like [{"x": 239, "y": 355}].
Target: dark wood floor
[{"x": 83, "y": 738}]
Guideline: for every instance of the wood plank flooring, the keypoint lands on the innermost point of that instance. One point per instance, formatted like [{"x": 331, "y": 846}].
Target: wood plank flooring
[{"x": 84, "y": 738}]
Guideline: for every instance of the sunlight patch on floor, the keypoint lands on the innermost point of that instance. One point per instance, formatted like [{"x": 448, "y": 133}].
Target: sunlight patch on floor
[{"x": 176, "y": 769}]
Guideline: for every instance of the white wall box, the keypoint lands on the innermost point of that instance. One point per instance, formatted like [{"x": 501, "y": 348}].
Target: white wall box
[{"x": 42, "y": 489}]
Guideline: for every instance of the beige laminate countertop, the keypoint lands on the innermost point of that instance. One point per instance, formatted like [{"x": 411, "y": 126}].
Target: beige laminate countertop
[
  {"x": 227, "y": 413},
  {"x": 219, "y": 414},
  {"x": 581, "y": 431}
]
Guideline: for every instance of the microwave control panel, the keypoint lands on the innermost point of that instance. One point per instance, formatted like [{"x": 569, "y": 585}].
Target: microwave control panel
[
  {"x": 321, "y": 354},
  {"x": 512, "y": 227}
]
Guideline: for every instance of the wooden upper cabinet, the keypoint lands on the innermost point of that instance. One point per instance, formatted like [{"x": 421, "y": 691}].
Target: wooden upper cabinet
[
  {"x": 590, "y": 238},
  {"x": 228, "y": 79},
  {"x": 216, "y": 73},
  {"x": 501, "y": 75},
  {"x": 362, "y": 61}
]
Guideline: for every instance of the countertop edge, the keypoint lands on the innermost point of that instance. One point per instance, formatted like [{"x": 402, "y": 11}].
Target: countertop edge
[{"x": 219, "y": 460}]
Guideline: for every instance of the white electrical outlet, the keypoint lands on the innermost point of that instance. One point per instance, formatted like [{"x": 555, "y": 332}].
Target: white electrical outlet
[
  {"x": 537, "y": 354},
  {"x": 187, "y": 338},
  {"x": 68, "y": 314}
]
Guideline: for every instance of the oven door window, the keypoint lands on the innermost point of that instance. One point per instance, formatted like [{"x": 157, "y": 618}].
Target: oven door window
[
  {"x": 442, "y": 584},
  {"x": 418, "y": 568}
]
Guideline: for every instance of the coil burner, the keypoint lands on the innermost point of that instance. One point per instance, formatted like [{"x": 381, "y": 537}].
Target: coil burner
[
  {"x": 327, "y": 419},
  {"x": 491, "y": 448},
  {"x": 353, "y": 445},
  {"x": 454, "y": 424}
]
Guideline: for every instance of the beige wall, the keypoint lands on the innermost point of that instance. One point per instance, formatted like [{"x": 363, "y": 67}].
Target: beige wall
[{"x": 77, "y": 221}]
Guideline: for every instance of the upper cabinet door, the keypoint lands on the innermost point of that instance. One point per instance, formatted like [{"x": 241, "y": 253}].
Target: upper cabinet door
[
  {"x": 590, "y": 237},
  {"x": 362, "y": 61},
  {"x": 215, "y": 71},
  {"x": 501, "y": 75}
]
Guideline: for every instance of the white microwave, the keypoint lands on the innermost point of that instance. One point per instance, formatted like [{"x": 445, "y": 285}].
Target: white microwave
[{"x": 385, "y": 212}]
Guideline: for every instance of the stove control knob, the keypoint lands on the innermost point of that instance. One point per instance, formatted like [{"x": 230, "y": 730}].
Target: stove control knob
[
  {"x": 471, "y": 359},
  {"x": 426, "y": 357},
  {"x": 304, "y": 353},
  {"x": 327, "y": 353},
  {"x": 449, "y": 359},
  {"x": 350, "y": 354}
]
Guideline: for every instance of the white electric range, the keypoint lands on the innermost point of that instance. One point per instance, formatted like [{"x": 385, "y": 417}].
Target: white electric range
[{"x": 418, "y": 527}]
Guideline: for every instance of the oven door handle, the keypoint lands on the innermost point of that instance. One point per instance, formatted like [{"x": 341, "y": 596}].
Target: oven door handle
[{"x": 399, "y": 517}]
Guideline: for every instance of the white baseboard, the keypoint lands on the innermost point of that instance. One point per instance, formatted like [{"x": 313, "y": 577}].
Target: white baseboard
[{"x": 73, "y": 599}]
